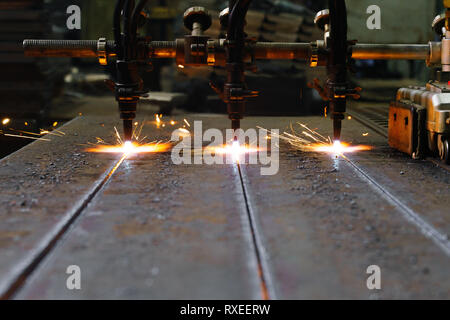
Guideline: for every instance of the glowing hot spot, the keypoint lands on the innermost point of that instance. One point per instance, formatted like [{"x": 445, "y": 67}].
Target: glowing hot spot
[
  {"x": 235, "y": 150},
  {"x": 128, "y": 147}
]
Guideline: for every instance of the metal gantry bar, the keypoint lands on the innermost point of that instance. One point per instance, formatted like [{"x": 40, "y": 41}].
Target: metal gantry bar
[{"x": 260, "y": 50}]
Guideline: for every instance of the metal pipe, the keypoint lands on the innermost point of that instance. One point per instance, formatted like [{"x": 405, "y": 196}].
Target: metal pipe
[
  {"x": 260, "y": 50},
  {"x": 281, "y": 51},
  {"x": 391, "y": 51},
  {"x": 135, "y": 16},
  {"x": 65, "y": 48}
]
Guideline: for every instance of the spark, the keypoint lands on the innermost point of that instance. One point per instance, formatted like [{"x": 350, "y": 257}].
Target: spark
[
  {"x": 119, "y": 139},
  {"x": 26, "y": 132},
  {"x": 6, "y": 121},
  {"x": 25, "y": 137},
  {"x": 365, "y": 134},
  {"x": 349, "y": 118},
  {"x": 137, "y": 132},
  {"x": 55, "y": 123},
  {"x": 187, "y": 123},
  {"x": 60, "y": 132},
  {"x": 158, "y": 120},
  {"x": 100, "y": 140},
  {"x": 15, "y": 133},
  {"x": 172, "y": 122},
  {"x": 180, "y": 66},
  {"x": 53, "y": 133},
  {"x": 310, "y": 140}
]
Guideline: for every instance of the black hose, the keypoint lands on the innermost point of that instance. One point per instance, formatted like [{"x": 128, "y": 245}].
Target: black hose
[
  {"x": 338, "y": 32},
  {"x": 237, "y": 18},
  {"x": 236, "y": 28},
  {"x": 117, "y": 28},
  {"x": 337, "y": 63},
  {"x": 128, "y": 37},
  {"x": 136, "y": 14}
]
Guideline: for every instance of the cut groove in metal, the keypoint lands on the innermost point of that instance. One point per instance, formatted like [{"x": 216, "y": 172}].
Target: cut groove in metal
[
  {"x": 267, "y": 289},
  {"x": 441, "y": 240}
]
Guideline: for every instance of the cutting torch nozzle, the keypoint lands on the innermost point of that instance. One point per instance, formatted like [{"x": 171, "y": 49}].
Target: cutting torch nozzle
[
  {"x": 127, "y": 130},
  {"x": 337, "y": 127},
  {"x": 235, "y": 125}
]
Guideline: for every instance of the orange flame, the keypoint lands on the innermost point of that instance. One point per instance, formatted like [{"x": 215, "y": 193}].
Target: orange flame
[
  {"x": 131, "y": 148},
  {"x": 338, "y": 148}
]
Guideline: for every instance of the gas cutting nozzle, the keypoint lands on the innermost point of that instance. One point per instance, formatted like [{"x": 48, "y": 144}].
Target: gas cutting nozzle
[
  {"x": 127, "y": 130},
  {"x": 337, "y": 128},
  {"x": 235, "y": 125}
]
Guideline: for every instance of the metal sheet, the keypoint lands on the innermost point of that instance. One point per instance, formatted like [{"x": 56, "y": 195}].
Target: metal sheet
[
  {"x": 42, "y": 186},
  {"x": 157, "y": 231},
  {"x": 323, "y": 224}
]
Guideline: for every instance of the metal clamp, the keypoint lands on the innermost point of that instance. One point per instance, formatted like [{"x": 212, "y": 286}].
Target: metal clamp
[{"x": 101, "y": 52}]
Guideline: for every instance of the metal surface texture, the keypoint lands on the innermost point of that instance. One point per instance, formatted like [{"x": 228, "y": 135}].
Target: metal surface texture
[{"x": 147, "y": 229}]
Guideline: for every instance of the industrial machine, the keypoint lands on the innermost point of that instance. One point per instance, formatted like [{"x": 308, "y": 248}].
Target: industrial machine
[
  {"x": 419, "y": 119},
  {"x": 237, "y": 54}
]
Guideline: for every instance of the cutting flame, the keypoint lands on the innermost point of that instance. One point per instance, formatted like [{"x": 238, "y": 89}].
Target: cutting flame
[
  {"x": 129, "y": 148},
  {"x": 235, "y": 150},
  {"x": 338, "y": 148}
]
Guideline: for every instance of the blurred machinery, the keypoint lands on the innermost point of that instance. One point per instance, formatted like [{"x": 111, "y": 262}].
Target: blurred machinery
[
  {"x": 287, "y": 79},
  {"x": 419, "y": 119},
  {"x": 27, "y": 84}
]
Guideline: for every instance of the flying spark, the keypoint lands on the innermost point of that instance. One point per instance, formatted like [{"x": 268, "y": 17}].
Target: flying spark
[{"x": 15, "y": 133}]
